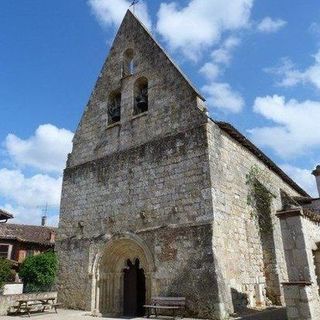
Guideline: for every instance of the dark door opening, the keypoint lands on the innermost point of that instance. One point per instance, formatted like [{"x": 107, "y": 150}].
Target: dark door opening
[{"x": 134, "y": 290}]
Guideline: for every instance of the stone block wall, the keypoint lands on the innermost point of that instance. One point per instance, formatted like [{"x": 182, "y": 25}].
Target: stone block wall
[
  {"x": 160, "y": 192},
  {"x": 237, "y": 242},
  {"x": 301, "y": 239},
  {"x": 12, "y": 288}
]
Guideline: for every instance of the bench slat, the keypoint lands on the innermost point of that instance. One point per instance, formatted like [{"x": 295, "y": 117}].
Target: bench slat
[
  {"x": 170, "y": 298},
  {"x": 161, "y": 307},
  {"x": 169, "y": 301}
]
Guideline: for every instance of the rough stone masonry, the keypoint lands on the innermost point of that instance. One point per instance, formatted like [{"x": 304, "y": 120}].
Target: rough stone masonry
[{"x": 154, "y": 199}]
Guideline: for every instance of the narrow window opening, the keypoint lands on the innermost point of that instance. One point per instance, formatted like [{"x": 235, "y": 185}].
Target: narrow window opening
[
  {"x": 141, "y": 96},
  {"x": 114, "y": 108},
  {"x": 128, "y": 63}
]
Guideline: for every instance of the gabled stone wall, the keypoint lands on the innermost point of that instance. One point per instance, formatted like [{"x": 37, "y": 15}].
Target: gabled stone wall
[{"x": 166, "y": 187}]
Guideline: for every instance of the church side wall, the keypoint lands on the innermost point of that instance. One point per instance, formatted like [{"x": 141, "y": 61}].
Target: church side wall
[
  {"x": 159, "y": 191},
  {"x": 243, "y": 253}
]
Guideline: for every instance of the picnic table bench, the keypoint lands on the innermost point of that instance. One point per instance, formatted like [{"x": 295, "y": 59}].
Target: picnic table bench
[
  {"x": 166, "y": 303},
  {"x": 28, "y": 305}
]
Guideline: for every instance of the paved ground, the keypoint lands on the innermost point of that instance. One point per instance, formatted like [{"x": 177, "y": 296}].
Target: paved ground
[
  {"x": 278, "y": 314},
  {"x": 273, "y": 314},
  {"x": 62, "y": 315}
]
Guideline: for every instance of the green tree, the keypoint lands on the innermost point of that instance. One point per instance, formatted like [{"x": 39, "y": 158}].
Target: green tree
[
  {"x": 39, "y": 272},
  {"x": 6, "y": 273}
]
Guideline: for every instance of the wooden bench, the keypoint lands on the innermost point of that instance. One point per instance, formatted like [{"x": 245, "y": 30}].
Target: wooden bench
[{"x": 166, "y": 303}]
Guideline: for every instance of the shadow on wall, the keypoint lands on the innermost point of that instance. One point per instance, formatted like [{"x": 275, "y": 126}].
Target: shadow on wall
[
  {"x": 240, "y": 303},
  {"x": 197, "y": 282},
  {"x": 200, "y": 279},
  {"x": 240, "y": 300}
]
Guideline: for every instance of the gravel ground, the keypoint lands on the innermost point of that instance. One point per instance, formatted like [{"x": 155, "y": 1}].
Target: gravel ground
[{"x": 278, "y": 314}]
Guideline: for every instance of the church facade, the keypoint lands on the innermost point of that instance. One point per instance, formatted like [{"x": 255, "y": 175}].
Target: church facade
[{"x": 159, "y": 200}]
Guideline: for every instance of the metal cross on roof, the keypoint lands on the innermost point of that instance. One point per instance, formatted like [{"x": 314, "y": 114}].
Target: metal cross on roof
[{"x": 134, "y": 2}]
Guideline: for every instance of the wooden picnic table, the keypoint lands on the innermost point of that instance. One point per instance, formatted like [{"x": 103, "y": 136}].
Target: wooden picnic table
[{"x": 26, "y": 305}]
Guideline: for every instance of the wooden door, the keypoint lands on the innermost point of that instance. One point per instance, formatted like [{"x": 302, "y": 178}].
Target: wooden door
[{"x": 134, "y": 294}]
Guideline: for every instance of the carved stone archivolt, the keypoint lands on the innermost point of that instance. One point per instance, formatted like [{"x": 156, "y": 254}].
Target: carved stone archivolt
[{"x": 108, "y": 276}]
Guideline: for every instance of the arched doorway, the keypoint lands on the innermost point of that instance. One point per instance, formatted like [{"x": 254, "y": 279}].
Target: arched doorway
[
  {"x": 134, "y": 289},
  {"x": 123, "y": 277}
]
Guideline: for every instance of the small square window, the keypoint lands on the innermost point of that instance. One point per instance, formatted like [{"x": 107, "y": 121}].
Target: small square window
[{"x": 4, "y": 251}]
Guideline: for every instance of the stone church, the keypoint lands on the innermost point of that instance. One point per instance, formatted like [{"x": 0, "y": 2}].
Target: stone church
[{"x": 157, "y": 197}]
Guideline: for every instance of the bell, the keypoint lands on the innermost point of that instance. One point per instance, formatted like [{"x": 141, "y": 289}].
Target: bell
[
  {"x": 142, "y": 103},
  {"x": 114, "y": 113}
]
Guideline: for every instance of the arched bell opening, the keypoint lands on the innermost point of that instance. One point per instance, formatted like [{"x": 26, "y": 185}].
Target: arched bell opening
[
  {"x": 141, "y": 103},
  {"x": 128, "y": 63},
  {"x": 114, "y": 107},
  {"x": 123, "y": 278}
]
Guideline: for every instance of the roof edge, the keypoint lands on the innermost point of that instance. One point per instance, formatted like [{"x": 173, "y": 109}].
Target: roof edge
[{"x": 239, "y": 137}]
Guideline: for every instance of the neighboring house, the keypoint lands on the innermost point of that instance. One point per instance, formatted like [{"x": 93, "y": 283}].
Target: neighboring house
[
  {"x": 155, "y": 197},
  {"x": 5, "y": 216},
  {"x": 18, "y": 241}
]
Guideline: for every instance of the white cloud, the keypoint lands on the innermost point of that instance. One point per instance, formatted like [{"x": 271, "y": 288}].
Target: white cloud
[
  {"x": 269, "y": 25},
  {"x": 315, "y": 28},
  {"x": 290, "y": 76},
  {"x": 210, "y": 70},
  {"x": 223, "y": 54},
  {"x": 303, "y": 177},
  {"x": 295, "y": 129},
  {"x": 222, "y": 96},
  {"x": 219, "y": 58},
  {"x": 111, "y": 12},
  {"x": 29, "y": 191},
  {"x": 200, "y": 24},
  {"x": 27, "y": 215},
  {"x": 46, "y": 150}
]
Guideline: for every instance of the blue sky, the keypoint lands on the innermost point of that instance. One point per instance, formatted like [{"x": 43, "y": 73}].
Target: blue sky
[{"x": 256, "y": 62}]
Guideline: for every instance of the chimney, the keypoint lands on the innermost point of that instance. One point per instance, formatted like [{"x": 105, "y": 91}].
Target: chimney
[
  {"x": 44, "y": 221},
  {"x": 316, "y": 173},
  {"x": 52, "y": 236}
]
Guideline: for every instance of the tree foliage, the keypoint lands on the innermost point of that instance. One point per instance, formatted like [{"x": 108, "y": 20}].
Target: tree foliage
[
  {"x": 39, "y": 272},
  {"x": 6, "y": 273},
  {"x": 260, "y": 197}
]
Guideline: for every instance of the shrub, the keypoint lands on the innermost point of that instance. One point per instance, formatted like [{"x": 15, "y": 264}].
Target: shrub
[
  {"x": 6, "y": 274},
  {"x": 39, "y": 272}
]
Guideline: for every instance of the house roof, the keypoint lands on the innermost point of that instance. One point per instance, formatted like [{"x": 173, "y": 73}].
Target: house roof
[
  {"x": 4, "y": 215},
  {"x": 27, "y": 233},
  {"x": 235, "y": 134},
  {"x": 312, "y": 213}
]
